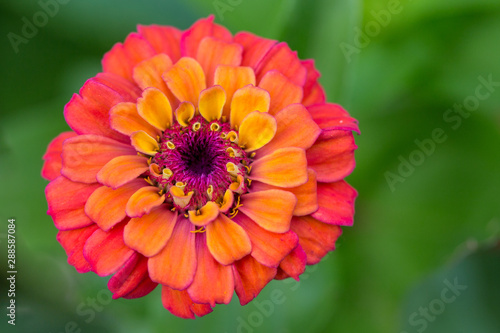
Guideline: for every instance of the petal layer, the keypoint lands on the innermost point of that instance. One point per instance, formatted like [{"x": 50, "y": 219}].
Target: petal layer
[
  {"x": 180, "y": 304},
  {"x": 333, "y": 158},
  {"x": 52, "y": 158},
  {"x": 84, "y": 155},
  {"x": 268, "y": 248},
  {"x": 315, "y": 238},
  {"x": 336, "y": 203},
  {"x": 106, "y": 252},
  {"x": 66, "y": 200},
  {"x": 149, "y": 234},
  {"x": 132, "y": 280},
  {"x": 295, "y": 128},
  {"x": 122, "y": 169},
  {"x": 213, "y": 283},
  {"x": 285, "y": 167},
  {"x": 106, "y": 206},
  {"x": 227, "y": 241},
  {"x": 186, "y": 80},
  {"x": 272, "y": 209},
  {"x": 250, "y": 277},
  {"x": 176, "y": 264}
]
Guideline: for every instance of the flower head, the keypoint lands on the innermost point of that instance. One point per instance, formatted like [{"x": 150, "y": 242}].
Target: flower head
[{"x": 201, "y": 161}]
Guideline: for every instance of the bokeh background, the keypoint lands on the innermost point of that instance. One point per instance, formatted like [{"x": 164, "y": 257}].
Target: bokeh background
[{"x": 426, "y": 218}]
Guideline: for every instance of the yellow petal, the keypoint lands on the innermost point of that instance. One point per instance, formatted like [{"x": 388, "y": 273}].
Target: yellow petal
[
  {"x": 148, "y": 72},
  {"x": 246, "y": 100},
  {"x": 256, "y": 130},
  {"x": 227, "y": 201},
  {"x": 154, "y": 107},
  {"x": 204, "y": 215},
  {"x": 232, "y": 78},
  {"x": 124, "y": 118},
  {"x": 142, "y": 201},
  {"x": 144, "y": 143},
  {"x": 184, "y": 113},
  {"x": 211, "y": 102},
  {"x": 186, "y": 80},
  {"x": 180, "y": 199}
]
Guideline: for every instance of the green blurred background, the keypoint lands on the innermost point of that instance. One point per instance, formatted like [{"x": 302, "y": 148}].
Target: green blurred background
[{"x": 427, "y": 218}]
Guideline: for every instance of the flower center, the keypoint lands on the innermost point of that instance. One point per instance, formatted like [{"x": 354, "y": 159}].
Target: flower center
[{"x": 202, "y": 158}]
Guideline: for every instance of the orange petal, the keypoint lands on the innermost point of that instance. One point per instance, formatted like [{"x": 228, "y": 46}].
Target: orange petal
[
  {"x": 333, "y": 158},
  {"x": 125, "y": 119},
  {"x": 154, "y": 107},
  {"x": 336, "y": 203},
  {"x": 213, "y": 282},
  {"x": 285, "y": 167},
  {"x": 186, "y": 80},
  {"x": 283, "y": 91},
  {"x": 122, "y": 169},
  {"x": 106, "y": 252},
  {"x": 227, "y": 241},
  {"x": 256, "y": 130},
  {"x": 175, "y": 265},
  {"x": 232, "y": 78},
  {"x": 246, "y": 100},
  {"x": 52, "y": 158},
  {"x": 88, "y": 112},
  {"x": 296, "y": 128},
  {"x": 281, "y": 58},
  {"x": 144, "y": 143},
  {"x": 148, "y": 74},
  {"x": 142, "y": 201},
  {"x": 211, "y": 102},
  {"x": 272, "y": 209},
  {"x": 250, "y": 277},
  {"x": 106, "y": 206},
  {"x": 132, "y": 280},
  {"x": 205, "y": 214},
  {"x": 179, "y": 303},
  {"x": 307, "y": 198},
  {"x": 149, "y": 234},
  {"x": 84, "y": 155},
  {"x": 191, "y": 38},
  {"x": 66, "y": 200},
  {"x": 213, "y": 52},
  {"x": 254, "y": 48},
  {"x": 72, "y": 242},
  {"x": 268, "y": 248},
  {"x": 315, "y": 238},
  {"x": 184, "y": 113},
  {"x": 163, "y": 39}
]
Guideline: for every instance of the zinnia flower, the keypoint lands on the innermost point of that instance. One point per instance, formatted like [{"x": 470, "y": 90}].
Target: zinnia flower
[{"x": 201, "y": 161}]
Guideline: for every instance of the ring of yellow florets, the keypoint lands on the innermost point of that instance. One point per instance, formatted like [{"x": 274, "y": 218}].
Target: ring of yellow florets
[{"x": 200, "y": 161}]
